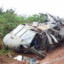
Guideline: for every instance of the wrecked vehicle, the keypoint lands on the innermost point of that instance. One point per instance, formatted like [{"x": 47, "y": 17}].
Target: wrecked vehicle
[{"x": 36, "y": 38}]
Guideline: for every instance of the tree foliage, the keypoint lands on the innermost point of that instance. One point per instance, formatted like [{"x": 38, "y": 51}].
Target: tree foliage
[{"x": 9, "y": 20}]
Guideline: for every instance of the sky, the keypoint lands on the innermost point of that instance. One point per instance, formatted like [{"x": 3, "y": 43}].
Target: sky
[{"x": 30, "y": 7}]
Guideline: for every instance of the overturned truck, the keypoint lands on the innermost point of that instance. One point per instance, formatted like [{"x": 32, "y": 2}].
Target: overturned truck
[{"x": 36, "y": 38}]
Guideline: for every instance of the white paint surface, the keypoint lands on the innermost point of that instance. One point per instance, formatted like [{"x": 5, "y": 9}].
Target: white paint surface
[{"x": 19, "y": 58}]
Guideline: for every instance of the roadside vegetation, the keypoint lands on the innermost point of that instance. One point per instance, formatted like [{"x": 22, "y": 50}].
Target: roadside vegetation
[{"x": 9, "y": 20}]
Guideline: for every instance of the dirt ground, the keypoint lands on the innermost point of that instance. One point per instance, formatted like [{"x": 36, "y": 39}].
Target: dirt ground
[
  {"x": 55, "y": 57},
  {"x": 6, "y": 60}
]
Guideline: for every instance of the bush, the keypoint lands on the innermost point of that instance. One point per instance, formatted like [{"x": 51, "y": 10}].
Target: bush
[{"x": 9, "y": 20}]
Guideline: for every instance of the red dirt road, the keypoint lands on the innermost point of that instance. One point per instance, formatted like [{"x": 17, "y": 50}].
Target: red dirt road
[{"x": 55, "y": 57}]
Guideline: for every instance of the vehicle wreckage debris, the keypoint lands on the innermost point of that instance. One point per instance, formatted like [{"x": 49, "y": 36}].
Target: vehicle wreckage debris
[
  {"x": 19, "y": 58},
  {"x": 37, "y": 37},
  {"x": 31, "y": 60},
  {"x": 26, "y": 59}
]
